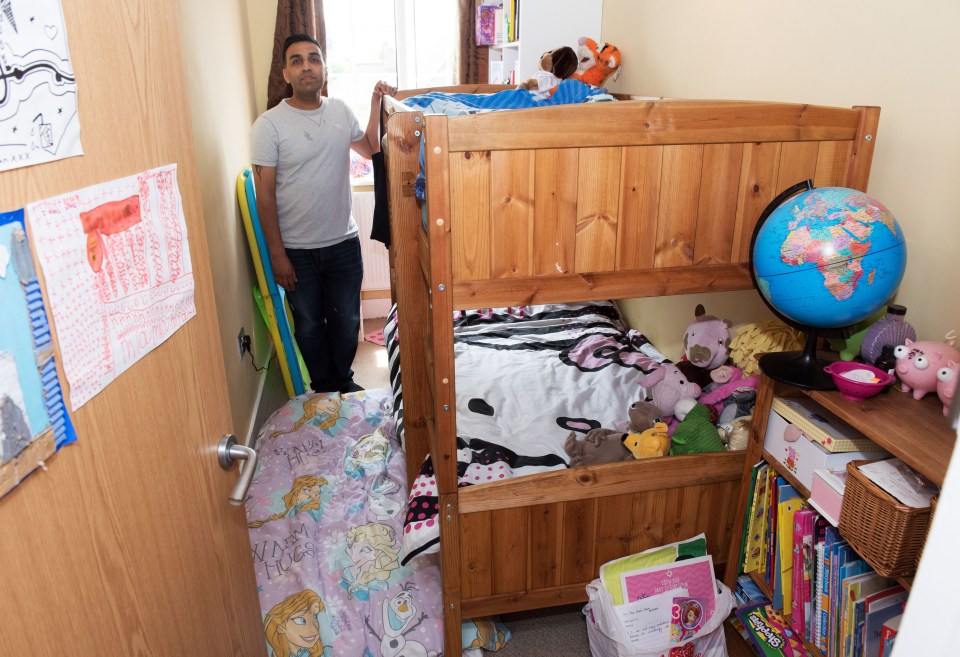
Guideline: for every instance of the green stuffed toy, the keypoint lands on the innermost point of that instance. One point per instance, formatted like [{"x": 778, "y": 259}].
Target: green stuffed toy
[{"x": 695, "y": 434}]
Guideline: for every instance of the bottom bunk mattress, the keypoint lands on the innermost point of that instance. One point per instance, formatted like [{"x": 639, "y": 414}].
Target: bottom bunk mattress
[
  {"x": 324, "y": 512},
  {"x": 526, "y": 378}
]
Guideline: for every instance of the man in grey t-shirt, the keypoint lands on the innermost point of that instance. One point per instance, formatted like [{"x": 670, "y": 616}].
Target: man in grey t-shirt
[{"x": 301, "y": 160}]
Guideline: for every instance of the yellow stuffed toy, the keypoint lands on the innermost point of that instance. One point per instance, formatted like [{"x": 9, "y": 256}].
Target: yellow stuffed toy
[
  {"x": 650, "y": 443},
  {"x": 598, "y": 61}
]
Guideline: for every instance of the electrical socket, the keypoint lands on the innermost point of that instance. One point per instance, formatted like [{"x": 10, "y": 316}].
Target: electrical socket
[{"x": 243, "y": 342}]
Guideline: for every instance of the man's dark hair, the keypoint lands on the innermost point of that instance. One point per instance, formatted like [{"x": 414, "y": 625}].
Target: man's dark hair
[{"x": 297, "y": 38}]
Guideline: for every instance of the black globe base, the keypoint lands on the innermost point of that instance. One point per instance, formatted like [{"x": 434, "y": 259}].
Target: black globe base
[{"x": 802, "y": 369}]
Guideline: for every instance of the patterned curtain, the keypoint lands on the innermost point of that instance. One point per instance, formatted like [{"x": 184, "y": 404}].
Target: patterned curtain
[
  {"x": 471, "y": 60},
  {"x": 294, "y": 17}
]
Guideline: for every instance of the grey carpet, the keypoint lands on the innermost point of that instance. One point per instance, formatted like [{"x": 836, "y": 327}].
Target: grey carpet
[{"x": 554, "y": 632}]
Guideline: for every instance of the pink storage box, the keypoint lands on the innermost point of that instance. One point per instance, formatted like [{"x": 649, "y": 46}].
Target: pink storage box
[
  {"x": 826, "y": 494},
  {"x": 802, "y": 456}
]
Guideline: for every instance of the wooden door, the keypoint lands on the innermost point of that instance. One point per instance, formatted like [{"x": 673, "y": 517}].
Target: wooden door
[{"x": 126, "y": 545}]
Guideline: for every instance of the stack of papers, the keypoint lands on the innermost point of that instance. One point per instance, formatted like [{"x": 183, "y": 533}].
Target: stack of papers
[
  {"x": 648, "y": 587},
  {"x": 901, "y": 482}
]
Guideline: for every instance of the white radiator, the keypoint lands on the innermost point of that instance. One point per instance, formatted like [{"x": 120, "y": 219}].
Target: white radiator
[{"x": 376, "y": 263}]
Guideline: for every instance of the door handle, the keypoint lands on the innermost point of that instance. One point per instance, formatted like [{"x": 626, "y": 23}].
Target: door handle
[{"x": 228, "y": 452}]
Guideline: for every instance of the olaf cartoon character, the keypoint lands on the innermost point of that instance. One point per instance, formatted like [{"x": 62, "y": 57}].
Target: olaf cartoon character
[{"x": 399, "y": 619}]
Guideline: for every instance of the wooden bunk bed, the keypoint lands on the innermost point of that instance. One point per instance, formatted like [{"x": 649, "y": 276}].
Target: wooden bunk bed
[{"x": 574, "y": 203}]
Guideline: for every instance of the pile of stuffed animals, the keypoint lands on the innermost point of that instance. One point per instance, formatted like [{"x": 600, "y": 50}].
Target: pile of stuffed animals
[
  {"x": 593, "y": 63},
  {"x": 702, "y": 404}
]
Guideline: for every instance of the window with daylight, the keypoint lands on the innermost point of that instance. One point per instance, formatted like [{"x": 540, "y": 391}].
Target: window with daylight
[{"x": 408, "y": 43}]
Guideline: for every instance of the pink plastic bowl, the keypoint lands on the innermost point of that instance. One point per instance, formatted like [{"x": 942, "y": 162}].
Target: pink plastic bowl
[{"x": 857, "y": 390}]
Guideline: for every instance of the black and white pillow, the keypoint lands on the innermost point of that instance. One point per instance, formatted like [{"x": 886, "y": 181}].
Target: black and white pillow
[{"x": 392, "y": 339}]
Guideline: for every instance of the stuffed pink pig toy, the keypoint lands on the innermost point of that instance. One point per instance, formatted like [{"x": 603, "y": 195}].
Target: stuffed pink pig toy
[
  {"x": 919, "y": 362},
  {"x": 947, "y": 377}
]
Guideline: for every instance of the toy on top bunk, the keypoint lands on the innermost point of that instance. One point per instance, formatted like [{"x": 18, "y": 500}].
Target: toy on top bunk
[
  {"x": 555, "y": 66},
  {"x": 597, "y": 62},
  {"x": 609, "y": 445}
]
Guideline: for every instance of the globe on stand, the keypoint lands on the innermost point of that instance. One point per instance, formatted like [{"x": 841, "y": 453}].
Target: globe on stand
[{"x": 823, "y": 259}]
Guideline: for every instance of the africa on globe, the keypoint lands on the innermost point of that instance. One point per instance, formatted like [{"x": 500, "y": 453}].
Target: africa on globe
[{"x": 828, "y": 257}]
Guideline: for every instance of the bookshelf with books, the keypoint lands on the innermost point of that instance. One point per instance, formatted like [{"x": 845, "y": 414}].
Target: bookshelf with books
[
  {"x": 528, "y": 28},
  {"x": 913, "y": 431}
]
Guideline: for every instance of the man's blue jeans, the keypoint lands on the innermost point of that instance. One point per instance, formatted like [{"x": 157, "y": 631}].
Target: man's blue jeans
[{"x": 326, "y": 311}]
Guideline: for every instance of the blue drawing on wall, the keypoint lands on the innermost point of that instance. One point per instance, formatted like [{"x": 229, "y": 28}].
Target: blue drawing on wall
[{"x": 33, "y": 418}]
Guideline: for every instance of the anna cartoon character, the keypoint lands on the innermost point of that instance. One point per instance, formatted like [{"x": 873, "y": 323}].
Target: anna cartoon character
[
  {"x": 292, "y": 627},
  {"x": 373, "y": 550},
  {"x": 304, "y": 496}
]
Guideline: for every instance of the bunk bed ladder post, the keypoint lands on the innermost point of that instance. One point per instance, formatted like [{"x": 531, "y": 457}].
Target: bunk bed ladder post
[
  {"x": 861, "y": 159},
  {"x": 439, "y": 274},
  {"x": 410, "y": 296}
]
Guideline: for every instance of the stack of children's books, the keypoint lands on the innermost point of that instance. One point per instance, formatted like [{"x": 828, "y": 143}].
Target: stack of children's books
[{"x": 822, "y": 595}]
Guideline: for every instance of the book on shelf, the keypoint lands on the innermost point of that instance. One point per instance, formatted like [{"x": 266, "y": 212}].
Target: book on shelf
[
  {"x": 486, "y": 25},
  {"x": 857, "y": 589},
  {"x": 768, "y": 631},
  {"x": 747, "y": 592},
  {"x": 770, "y": 557},
  {"x": 789, "y": 503},
  {"x": 830, "y": 541},
  {"x": 880, "y": 608},
  {"x": 747, "y": 515},
  {"x": 888, "y": 634},
  {"x": 754, "y": 557},
  {"x": 844, "y": 563},
  {"x": 803, "y": 569}
]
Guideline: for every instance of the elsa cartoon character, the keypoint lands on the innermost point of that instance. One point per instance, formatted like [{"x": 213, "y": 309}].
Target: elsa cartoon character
[
  {"x": 292, "y": 627},
  {"x": 372, "y": 548},
  {"x": 304, "y": 496}
]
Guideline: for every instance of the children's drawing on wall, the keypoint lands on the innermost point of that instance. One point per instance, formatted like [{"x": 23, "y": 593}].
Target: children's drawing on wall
[
  {"x": 33, "y": 420},
  {"x": 117, "y": 267},
  {"x": 38, "y": 93}
]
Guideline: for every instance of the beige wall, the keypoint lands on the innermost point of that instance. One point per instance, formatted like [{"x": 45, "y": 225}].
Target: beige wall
[
  {"x": 221, "y": 91},
  {"x": 262, "y": 20},
  {"x": 858, "y": 52}
]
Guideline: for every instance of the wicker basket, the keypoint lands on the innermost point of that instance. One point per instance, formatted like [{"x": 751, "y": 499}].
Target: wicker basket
[
  {"x": 887, "y": 534},
  {"x": 926, "y": 535}
]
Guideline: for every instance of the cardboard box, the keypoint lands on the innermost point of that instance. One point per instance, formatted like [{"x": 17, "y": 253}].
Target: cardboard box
[
  {"x": 826, "y": 494},
  {"x": 802, "y": 456},
  {"x": 818, "y": 424}
]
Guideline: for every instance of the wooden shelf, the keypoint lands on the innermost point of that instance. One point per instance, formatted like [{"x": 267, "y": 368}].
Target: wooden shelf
[{"x": 915, "y": 431}]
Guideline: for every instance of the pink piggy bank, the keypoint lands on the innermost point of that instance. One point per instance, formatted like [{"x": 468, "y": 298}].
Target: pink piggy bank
[
  {"x": 947, "y": 383},
  {"x": 919, "y": 362}
]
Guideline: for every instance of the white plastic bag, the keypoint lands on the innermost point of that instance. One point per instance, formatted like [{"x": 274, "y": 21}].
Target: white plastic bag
[{"x": 607, "y": 638}]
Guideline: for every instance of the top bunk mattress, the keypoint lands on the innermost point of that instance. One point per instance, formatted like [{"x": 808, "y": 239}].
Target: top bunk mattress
[{"x": 568, "y": 92}]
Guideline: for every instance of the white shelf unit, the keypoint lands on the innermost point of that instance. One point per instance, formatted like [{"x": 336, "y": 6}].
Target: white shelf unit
[{"x": 544, "y": 25}]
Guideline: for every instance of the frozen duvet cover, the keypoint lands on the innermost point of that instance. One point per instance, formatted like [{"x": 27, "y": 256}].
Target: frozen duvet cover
[
  {"x": 525, "y": 378},
  {"x": 325, "y": 517}
]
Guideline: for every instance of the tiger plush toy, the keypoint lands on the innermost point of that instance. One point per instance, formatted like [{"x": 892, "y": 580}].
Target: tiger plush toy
[{"x": 597, "y": 62}]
